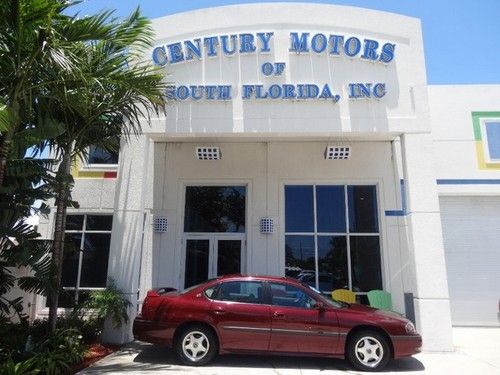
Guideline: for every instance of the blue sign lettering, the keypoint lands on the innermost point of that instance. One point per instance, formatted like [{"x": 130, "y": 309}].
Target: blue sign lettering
[
  {"x": 303, "y": 42},
  {"x": 225, "y": 44}
]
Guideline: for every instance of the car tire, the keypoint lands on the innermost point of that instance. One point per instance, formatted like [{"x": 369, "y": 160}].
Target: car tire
[
  {"x": 368, "y": 350},
  {"x": 196, "y": 345}
]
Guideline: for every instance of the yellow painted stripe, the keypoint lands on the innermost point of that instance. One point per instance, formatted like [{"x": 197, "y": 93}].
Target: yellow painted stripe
[
  {"x": 481, "y": 161},
  {"x": 77, "y": 173}
]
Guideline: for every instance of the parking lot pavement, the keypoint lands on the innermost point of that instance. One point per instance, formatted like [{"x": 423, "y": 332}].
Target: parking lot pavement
[{"x": 476, "y": 353}]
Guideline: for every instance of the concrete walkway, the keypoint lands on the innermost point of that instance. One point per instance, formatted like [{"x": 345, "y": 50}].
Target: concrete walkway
[{"x": 477, "y": 353}]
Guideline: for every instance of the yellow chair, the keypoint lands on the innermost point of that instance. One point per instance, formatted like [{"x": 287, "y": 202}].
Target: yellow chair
[{"x": 344, "y": 295}]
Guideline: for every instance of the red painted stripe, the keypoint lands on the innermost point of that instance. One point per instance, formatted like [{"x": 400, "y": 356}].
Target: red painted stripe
[{"x": 110, "y": 174}]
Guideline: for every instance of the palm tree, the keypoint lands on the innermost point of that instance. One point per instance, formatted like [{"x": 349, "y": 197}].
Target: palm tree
[
  {"x": 36, "y": 52},
  {"x": 116, "y": 94}
]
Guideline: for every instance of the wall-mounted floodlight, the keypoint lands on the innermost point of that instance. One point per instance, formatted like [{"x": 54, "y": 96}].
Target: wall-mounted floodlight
[
  {"x": 160, "y": 224},
  {"x": 266, "y": 225}
]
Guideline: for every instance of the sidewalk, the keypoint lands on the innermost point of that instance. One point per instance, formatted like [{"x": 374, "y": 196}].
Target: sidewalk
[{"x": 477, "y": 352}]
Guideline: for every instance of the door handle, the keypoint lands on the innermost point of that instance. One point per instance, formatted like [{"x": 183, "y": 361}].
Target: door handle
[
  {"x": 219, "y": 312},
  {"x": 279, "y": 315}
]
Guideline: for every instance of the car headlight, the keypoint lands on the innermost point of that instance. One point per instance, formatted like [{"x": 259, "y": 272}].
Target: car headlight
[{"x": 410, "y": 328}]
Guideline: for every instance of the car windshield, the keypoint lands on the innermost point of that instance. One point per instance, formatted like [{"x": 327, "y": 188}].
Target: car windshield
[{"x": 331, "y": 302}]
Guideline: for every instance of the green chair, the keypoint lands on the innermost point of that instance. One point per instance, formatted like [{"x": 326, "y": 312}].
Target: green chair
[{"x": 380, "y": 299}]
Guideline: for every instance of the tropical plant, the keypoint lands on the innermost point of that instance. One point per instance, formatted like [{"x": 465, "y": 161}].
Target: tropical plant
[
  {"x": 26, "y": 367},
  {"x": 67, "y": 82},
  {"x": 59, "y": 352},
  {"x": 117, "y": 92},
  {"x": 27, "y": 180},
  {"x": 13, "y": 336},
  {"x": 36, "y": 53},
  {"x": 27, "y": 350},
  {"x": 106, "y": 304},
  {"x": 36, "y": 47}
]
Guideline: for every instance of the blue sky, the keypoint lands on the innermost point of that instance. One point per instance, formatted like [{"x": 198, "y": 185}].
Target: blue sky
[{"x": 461, "y": 38}]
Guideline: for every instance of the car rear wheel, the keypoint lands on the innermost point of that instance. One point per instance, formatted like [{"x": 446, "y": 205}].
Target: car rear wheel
[
  {"x": 368, "y": 350},
  {"x": 196, "y": 345}
]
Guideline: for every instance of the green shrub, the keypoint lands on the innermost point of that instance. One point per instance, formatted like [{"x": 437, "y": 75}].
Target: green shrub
[
  {"x": 52, "y": 356},
  {"x": 57, "y": 354},
  {"x": 89, "y": 328},
  {"x": 107, "y": 303},
  {"x": 27, "y": 367},
  {"x": 13, "y": 337}
]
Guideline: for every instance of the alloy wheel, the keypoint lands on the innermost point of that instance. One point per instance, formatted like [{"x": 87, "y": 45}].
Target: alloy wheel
[
  {"x": 195, "y": 345},
  {"x": 369, "y": 351}
]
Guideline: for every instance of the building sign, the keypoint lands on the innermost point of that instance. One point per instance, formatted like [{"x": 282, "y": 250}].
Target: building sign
[{"x": 352, "y": 47}]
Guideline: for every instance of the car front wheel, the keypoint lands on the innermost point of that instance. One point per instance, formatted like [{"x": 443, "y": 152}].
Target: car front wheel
[
  {"x": 196, "y": 346},
  {"x": 368, "y": 351}
]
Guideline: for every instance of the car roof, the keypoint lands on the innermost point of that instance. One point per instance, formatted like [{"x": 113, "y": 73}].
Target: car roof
[{"x": 258, "y": 277}]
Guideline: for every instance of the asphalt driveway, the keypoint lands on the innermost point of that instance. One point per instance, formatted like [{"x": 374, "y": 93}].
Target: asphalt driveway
[{"x": 477, "y": 352}]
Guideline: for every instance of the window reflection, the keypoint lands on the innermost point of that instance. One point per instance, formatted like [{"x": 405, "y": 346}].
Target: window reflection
[
  {"x": 196, "y": 262},
  {"x": 330, "y": 210},
  {"x": 215, "y": 209},
  {"x": 86, "y": 254},
  {"x": 321, "y": 259},
  {"x": 363, "y": 216},
  {"x": 99, "y": 155},
  {"x": 95, "y": 260},
  {"x": 332, "y": 263},
  {"x": 228, "y": 257},
  {"x": 365, "y": 263},
  {"x": 299, "y": 209},
  {"x": 299, "y": 255}
]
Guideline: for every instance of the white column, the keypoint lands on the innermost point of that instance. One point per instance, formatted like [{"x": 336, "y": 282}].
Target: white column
[
  {"x": 126, "y": 247},
  {"x": 425, "y": 241}
]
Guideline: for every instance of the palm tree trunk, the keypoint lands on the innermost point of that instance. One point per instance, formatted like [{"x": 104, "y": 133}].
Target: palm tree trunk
[
  {"x": 62, "y": 194},
  {"x": 4, "y": 152},
  {"x": 6, "y": 140}
]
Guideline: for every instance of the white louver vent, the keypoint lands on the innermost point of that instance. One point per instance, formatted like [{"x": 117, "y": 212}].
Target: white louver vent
[
  {"x": 208, "y": 153},
  {"x": 338, "y": 152}
]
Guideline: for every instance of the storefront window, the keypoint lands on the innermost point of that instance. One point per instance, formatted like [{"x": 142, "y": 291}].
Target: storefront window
[
  {"x": 493, "y": 139},
  {"x": 299, "y": 254},
  {"x": 299, "y": 209},
  {"x": 99, "y": 155},
  {"x": 85, "y": 264},
  {"x": 363, "y": 216},
  {"x": 330, "y": 209},
  {"x": 321, "y": 249},
  {"x": 365, "y": 263},
  {"x": 215, "y": 209}
]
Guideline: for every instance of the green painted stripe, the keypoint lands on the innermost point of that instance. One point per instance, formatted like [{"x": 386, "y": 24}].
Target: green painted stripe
[
  {"x": 477, "y": 127},
  {"x": 476, "y": 116}
]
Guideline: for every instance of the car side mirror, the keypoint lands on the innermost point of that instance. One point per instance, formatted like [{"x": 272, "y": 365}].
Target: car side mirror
[{"x": 320, "y": 306}]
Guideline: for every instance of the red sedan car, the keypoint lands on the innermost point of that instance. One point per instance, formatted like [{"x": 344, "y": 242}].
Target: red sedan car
[{"x": 271, "y": 315}]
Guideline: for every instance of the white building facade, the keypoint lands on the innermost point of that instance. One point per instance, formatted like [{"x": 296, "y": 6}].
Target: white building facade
[{"x": 301, "y": 140}]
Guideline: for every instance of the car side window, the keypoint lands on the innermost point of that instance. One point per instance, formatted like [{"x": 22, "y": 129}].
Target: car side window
[
  {"x": 290, "y": 296},
  {"x": 241, "y": 291},
  {"x": 210, "y": 292}
]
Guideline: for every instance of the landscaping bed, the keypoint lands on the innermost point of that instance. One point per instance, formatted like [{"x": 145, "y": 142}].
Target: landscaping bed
[{"x": 93, "y": 353}]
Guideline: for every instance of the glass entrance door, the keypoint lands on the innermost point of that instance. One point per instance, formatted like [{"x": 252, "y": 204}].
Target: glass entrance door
[
  {"x": 228, "y": 256},
  {"x": 211, "y": 255},
  {"x": 197, "y": 261},
  {"x": 214, "y": 232}
]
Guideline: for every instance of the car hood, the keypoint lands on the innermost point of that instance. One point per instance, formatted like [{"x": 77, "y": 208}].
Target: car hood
[{"x": 381, "y": 313}]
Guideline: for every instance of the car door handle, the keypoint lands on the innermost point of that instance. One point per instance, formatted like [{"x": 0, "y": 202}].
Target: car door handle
[
  {"x": 219, "y": 312},
  {"x": 279, "y": 315}
]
